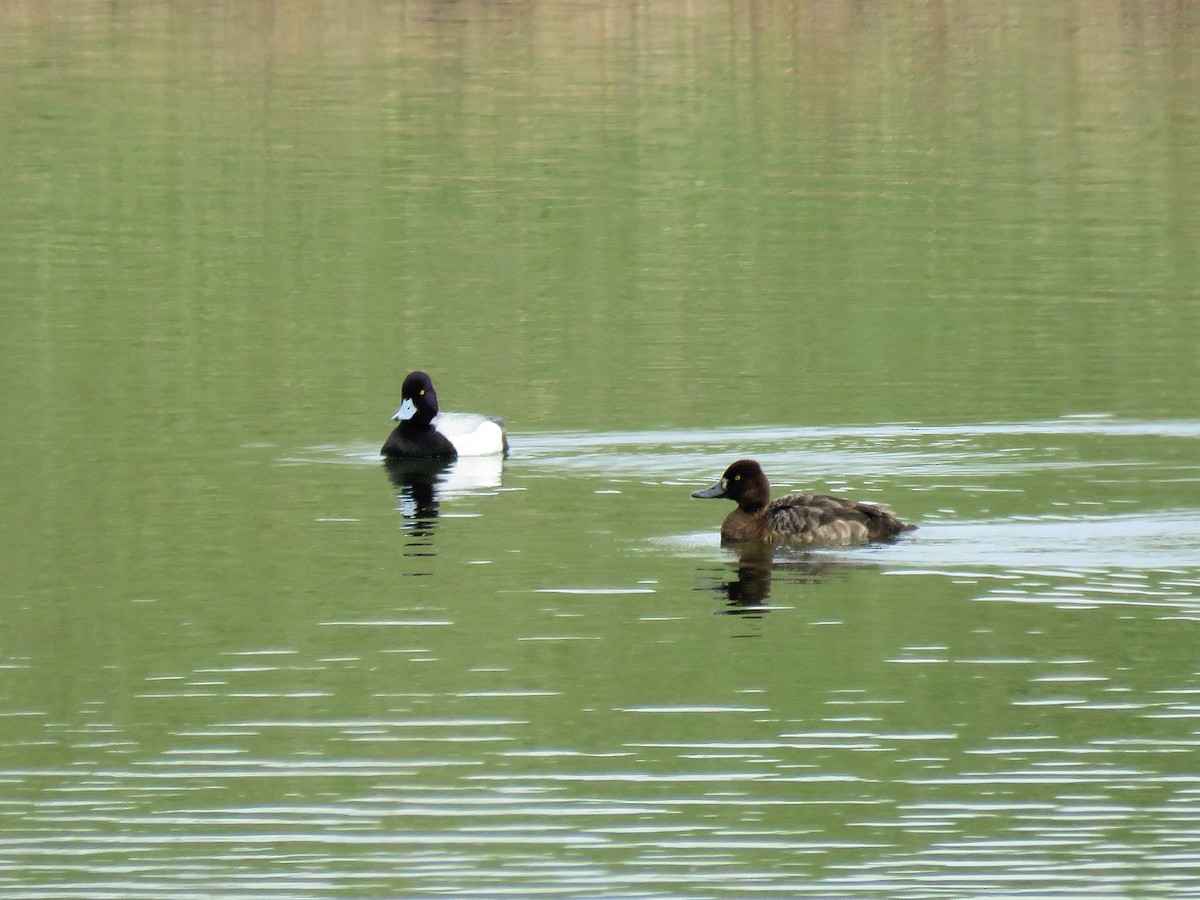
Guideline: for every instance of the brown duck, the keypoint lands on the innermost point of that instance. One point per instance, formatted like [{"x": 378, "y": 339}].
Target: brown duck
[{"x": 814, "y": 520}]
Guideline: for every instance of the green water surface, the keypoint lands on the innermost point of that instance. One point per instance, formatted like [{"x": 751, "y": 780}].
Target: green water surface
[{"x": 943, "y": 255}]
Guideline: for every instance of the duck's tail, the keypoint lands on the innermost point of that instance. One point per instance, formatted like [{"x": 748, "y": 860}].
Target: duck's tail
[{"x": 882, "y": 523}]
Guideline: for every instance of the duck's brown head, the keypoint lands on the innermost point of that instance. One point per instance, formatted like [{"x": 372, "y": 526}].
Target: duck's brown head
[{"x": 744, "y": 483}]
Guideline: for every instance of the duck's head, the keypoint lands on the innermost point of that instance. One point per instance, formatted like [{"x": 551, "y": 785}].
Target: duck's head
[
  {"x": 418, "y": 399},
  {"x": 744, "y": 483}
]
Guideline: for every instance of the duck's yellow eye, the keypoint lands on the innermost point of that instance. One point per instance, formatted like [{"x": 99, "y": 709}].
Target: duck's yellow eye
[
  {"x": 737, "y": 477},
  {"x": 422, "y": 392}
]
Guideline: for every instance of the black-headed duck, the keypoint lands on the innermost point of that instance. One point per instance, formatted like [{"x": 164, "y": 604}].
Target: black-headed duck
[
  {"x": 816, "y": 520},
  {"x": 424, "y": 433}
]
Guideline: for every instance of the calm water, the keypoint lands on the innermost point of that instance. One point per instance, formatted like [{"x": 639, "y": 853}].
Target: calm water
[{"x": 939, "y": 255}]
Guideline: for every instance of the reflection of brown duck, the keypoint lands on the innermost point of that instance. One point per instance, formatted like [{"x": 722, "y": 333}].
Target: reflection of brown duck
[
  {"x": 814, "y": 520},
  {"x": 756, "y": 569},
  {"x": 753, "y": 583}
]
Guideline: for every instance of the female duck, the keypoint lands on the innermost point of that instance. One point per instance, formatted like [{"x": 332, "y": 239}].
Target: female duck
[
  {"x": 798, "y": 519},
  {"x": 424, "y": 433}
]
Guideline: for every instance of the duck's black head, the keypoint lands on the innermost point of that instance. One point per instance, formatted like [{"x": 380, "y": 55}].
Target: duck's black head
[
  {"x": 419, "y": 402},
  {"x": 744, "y": 483}
]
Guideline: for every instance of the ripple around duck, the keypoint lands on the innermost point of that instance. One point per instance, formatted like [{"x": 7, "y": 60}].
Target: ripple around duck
[
  {"x": 921, "y": 444},
  {"x": 906, "y": 448},
  {"x": 1072, "y": 544}
]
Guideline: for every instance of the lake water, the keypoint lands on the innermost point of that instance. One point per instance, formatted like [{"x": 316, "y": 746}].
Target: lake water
[{"x": 944, "y": 256}]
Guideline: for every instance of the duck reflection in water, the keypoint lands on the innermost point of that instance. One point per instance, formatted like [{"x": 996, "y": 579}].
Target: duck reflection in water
[
  {"x": 756, "y": 569},
  {"x": 416, "y": 483},
  {"x": 422, "y": 484}
]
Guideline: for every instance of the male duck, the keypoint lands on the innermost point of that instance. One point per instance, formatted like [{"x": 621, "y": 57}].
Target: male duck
[
  {"x": 798, "y": 519},
  {"x": 424, "y": 433}
]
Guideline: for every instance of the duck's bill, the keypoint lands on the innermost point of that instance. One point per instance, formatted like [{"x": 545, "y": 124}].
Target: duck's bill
[
  {"x": 715, "y": 492},
  {"x": 405, "y": 412}
]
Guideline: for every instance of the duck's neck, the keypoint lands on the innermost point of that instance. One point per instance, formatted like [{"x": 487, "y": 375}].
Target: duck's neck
[
  {"x": 755, "y": 500},
  {"x": 417, "y": 424}
]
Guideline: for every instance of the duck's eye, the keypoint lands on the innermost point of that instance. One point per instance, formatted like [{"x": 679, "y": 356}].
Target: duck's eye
[
  {"x": 422, "y": 392},
  {"x": 737, "y": 477}
]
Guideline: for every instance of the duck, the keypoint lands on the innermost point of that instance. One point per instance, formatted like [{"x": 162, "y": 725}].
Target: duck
[
  {"x": 424, "y": 433},
  {"x": 806, "y": 520}
]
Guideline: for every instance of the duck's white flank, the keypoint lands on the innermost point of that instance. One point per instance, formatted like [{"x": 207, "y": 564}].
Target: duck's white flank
[{"x": 470, "y": 433}]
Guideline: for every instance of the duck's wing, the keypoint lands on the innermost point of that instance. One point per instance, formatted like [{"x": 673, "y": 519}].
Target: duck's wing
[{"x": 829, "y": 520}]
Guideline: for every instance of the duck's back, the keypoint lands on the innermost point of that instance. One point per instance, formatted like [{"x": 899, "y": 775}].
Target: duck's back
[{"x": 824, "y": 520}]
